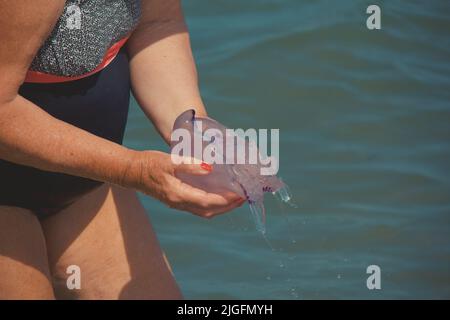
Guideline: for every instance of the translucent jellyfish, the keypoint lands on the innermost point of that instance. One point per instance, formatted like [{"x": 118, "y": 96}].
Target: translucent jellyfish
[{"x": 199, "y": 136}]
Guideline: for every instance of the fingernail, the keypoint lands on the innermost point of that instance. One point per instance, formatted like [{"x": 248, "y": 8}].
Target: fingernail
[{"x": 206, "y": 166}]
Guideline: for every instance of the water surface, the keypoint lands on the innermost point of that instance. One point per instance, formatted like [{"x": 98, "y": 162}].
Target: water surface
[{"x": 364, "y": 119}]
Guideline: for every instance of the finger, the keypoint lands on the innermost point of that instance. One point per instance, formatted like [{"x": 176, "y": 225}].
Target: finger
[
  {"x": 218, "y": 201},
  {"x": 191, "y": 166},
  {"x": 213, "y": 209},
  {"x": 194, "y": 169},
  {"x": 196, "y": 197},
  {"x": 201, "y": 202},
  {"x": 231, "y": 196},
  {"x": 224, "y": 209}
]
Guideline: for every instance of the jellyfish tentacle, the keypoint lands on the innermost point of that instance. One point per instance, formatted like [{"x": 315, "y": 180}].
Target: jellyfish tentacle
[{"x": 259, "y": 215}]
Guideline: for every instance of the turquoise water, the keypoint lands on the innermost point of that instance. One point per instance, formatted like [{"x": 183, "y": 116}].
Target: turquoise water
[{"x": 364, "y": 120}]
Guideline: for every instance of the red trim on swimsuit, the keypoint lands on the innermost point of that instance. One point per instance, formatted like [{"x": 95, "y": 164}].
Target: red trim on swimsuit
[{"x": 40, "y": 77}]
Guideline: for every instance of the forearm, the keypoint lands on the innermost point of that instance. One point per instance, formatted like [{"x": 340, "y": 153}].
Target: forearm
[
  {"x": 163, "y": 72},
  {"x": 30, "y": 136}
]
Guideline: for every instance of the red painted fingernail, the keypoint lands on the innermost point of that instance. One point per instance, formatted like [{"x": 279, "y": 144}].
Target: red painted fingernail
[{"x": 206, "y": 166}]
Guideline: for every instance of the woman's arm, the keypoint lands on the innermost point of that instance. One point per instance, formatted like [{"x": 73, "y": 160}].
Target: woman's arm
[
  {"x": 29, "y": 135},
  {"x": 32, "y": 137},
  {"x": 163, "y": 72}
]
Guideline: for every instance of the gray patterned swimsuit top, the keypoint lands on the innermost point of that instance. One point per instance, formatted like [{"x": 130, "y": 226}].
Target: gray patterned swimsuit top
[{"x": 83, "y": 34}]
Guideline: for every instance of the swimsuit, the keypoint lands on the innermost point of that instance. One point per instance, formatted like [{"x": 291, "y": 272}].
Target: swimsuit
[{"x": 80, "y": 76}]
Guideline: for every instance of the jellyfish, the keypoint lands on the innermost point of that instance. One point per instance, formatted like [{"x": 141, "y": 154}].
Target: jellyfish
[{"x": 196, "y": 137}]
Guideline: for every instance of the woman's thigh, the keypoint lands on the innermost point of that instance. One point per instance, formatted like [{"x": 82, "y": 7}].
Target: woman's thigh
[
  {"x": 24, "y": 271},
  {"x": 108, "y": 235}
]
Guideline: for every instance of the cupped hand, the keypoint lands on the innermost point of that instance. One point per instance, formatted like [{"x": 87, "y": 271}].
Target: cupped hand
[{"x": 154, "y": 174}]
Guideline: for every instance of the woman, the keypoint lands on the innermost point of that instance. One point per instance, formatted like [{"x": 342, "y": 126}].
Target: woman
[{"x": 67, "y": 188}]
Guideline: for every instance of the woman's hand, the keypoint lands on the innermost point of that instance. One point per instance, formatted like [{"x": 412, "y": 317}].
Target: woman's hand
[{"x": 154, "y": 174}]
